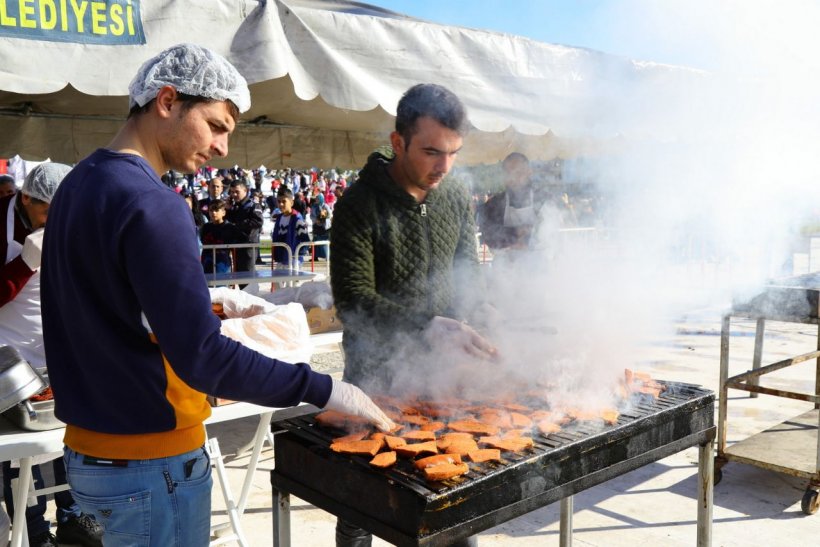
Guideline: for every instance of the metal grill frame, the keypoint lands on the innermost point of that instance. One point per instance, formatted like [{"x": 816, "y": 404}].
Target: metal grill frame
[{"x": 405, "y": 510}]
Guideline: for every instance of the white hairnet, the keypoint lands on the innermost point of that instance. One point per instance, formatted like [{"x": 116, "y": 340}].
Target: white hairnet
[
  {"x": 192, "y": 70},
  {"x": 42, "y": 181}
]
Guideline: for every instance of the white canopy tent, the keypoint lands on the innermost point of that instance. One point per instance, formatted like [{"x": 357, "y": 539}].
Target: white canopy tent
[{"x": 325, "y": 79}]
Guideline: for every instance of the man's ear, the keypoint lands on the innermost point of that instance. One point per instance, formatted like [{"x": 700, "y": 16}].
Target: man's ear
[
  {"x": 166, "y": 98},
  {"x": 25, "y": 199},
  {"x": 397, "y": 143}
]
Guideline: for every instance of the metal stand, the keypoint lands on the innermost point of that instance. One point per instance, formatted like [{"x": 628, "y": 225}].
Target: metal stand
[
  {"x": 791, "y": 447},
  {"x": 565, "y": 537},
  {"x": 281, "y": 518},
  {"x": 706, "y": 481}
]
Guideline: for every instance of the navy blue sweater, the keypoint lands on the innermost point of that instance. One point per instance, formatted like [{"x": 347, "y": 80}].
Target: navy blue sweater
[{"x": 120, "y": 254}]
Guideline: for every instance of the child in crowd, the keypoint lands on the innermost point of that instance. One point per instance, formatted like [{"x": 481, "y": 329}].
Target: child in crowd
[
  {"x": 218, "y": 232},
  {"x": 289, "y": 228}
]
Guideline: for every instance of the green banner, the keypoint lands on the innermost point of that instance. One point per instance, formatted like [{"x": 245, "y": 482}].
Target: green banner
[{"x": 112, "y": 22}]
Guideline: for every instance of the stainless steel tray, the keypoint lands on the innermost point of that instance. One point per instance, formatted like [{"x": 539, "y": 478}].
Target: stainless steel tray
[
  {"x": 18, "y": 380},
  {"x": 41, "y": 420}
]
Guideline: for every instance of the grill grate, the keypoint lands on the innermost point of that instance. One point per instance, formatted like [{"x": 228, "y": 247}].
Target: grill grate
[{"x": 402, "y": 507}]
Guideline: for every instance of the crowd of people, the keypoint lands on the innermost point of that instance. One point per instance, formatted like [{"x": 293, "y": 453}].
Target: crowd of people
[{"x": 230, "y": 207}]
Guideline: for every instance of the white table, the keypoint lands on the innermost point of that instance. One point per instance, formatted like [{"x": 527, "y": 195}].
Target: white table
[{"x": 17, "y": 444}]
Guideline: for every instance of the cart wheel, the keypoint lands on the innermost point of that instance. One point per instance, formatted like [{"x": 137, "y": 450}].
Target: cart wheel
[{"x": 811, "y": 501}]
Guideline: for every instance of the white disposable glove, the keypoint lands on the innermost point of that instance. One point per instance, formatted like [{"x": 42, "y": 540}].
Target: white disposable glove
[
  {"x": 444, "y": 332},
  {"x": 33, "y": 248},
  {"x": 239, "y": 303},
  {"x": 350, "y": 399}
]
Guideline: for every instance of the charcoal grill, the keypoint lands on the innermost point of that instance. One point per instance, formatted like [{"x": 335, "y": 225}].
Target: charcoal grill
[{"x": 402, "y": 508}]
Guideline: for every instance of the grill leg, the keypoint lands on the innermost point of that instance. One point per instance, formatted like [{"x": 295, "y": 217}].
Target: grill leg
[
  {"x": 706, "y": 481},
  {"x": 565, "y": 538},
  {"x": 758, "y": 354},
  {"x": 281, "y": 518}
]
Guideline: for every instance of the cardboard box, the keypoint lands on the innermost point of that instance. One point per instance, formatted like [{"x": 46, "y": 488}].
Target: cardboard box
[{"x": 320, "y": 320}]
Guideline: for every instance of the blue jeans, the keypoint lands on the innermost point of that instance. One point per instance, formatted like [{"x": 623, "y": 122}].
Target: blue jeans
[{"x": 160, "y": 502}]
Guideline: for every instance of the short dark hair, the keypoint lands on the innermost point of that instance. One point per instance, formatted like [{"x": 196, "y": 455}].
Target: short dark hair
[
  {"x": 434, "y": 101},
  {"x": 284, "y": 192},
  {"x": 188, "y": 101},
  {"x": 515, "y": 156},
  {"x": 7, "y": 179},
  {"x": 239, "y": 182},
  {"x": 217, "y": 205}
]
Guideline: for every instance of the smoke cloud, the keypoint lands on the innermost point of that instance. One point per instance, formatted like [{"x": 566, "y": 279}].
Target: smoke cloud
[
  {"x": 707, "y": 191},
  {"x": 711, "y": 177}
]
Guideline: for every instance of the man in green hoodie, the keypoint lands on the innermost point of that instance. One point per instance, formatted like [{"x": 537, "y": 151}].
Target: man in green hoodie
[{"x": 405, "y": 255}]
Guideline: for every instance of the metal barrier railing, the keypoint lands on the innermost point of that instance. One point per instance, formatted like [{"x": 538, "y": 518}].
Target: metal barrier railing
[
  {"x": 312, "y": 245},
  {"x": 234, "y": 246},
  {"x": 287, "y": 249},
  {"x": 231, "y": 247}
]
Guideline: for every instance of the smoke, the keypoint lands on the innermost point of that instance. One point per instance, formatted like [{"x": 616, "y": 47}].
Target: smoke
[
  {"x": 710, "y": 182},
  {"x": 714, "y": 176}
]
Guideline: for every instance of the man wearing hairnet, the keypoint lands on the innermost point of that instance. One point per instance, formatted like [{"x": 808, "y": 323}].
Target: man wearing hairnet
[
  {"x": 132, "y": 343},
  {"x": 22, "y": 218}
]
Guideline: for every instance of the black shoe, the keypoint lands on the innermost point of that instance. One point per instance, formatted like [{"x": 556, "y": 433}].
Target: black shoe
[
  {"x": 82, "y": 530},
  {"x": 46, "y": 539}
]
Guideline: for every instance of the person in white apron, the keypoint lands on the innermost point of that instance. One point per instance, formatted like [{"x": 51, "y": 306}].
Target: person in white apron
[
  {"x": 22, "y": 219},
  {"x": 508, "y": 218}
]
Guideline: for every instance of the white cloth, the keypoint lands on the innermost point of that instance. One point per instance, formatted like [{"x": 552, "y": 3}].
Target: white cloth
[
  {"x": 280, "y": 332},
  {"x": 21, "y": 324},
  {"x": 33, "y": 249},
  {"x": 313, "y": 294}
]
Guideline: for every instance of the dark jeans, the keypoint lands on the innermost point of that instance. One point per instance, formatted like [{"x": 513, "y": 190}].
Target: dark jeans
[
  {"x": 36, "y": 524},
  {"x": 245, "y": 259},
  {"x": 350, "y": 535}
]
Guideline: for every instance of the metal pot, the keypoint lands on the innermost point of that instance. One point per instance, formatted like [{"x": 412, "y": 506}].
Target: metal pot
[{"x": 18, "y": 379}]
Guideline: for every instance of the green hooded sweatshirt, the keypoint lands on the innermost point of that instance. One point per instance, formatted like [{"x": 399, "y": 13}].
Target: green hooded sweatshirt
[{"x": 397, "y": 263}]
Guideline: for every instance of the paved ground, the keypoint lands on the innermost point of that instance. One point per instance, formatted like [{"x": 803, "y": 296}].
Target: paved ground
[{"x": 652, "y": 506}]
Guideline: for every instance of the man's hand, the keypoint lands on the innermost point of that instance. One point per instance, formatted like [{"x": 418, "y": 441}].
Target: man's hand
[
  {"x": 350, "y": 399},
  {"x": 33, "y": 248},
  {"x": 450, "y": 332}
]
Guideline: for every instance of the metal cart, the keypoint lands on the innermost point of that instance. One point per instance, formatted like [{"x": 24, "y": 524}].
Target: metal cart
[{"x": 793, "y": 446}]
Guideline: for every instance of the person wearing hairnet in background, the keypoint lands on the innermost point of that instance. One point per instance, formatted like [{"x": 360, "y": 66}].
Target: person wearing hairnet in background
[
  {"x": 22, "y": 220},
  {"x": 132, "y": 343}
]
